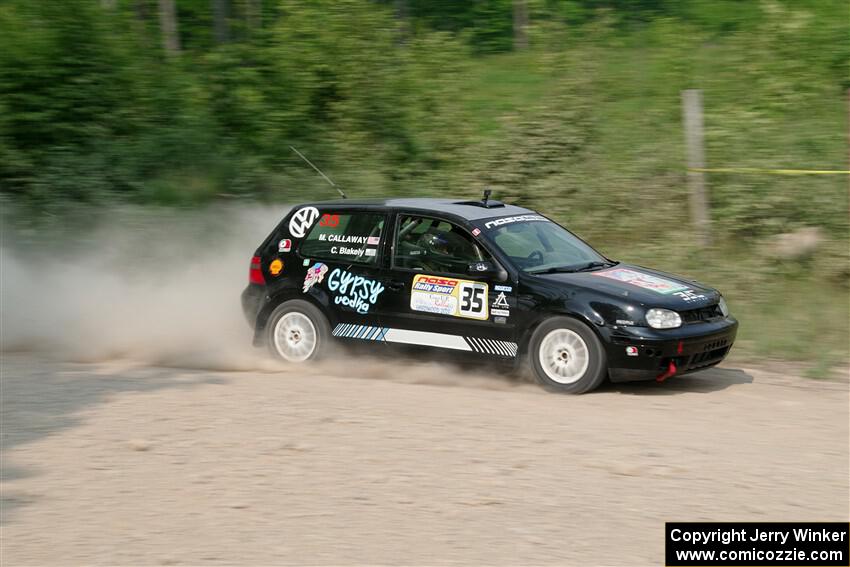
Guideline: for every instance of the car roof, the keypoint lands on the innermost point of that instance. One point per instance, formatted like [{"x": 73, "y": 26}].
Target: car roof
[{"x": 463, "y": 208}]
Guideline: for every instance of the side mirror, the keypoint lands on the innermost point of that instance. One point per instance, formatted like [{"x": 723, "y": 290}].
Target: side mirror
[{"x": 486, "y": 269}]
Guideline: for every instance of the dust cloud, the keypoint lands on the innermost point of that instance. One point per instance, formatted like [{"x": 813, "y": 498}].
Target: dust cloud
[
  {"x": 160, "y": 287},
  {"x": 156, "y": 286}
]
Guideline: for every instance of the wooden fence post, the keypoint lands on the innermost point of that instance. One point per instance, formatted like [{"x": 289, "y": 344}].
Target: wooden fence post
[{"x": 700, "y": 214}]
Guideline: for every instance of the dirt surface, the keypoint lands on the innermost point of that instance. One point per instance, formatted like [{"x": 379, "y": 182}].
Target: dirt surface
[{"x": 377, "y": 462}]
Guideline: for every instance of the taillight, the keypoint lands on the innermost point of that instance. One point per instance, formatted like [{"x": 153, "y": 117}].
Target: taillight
[{"x": 255, "y": 274}]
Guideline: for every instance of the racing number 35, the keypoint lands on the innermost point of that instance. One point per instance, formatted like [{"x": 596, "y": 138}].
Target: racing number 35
[{"x": 473, "y": 300}]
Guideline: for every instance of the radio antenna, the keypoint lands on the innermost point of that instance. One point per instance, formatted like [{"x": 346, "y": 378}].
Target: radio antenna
[{"x": 319, "y": 171}]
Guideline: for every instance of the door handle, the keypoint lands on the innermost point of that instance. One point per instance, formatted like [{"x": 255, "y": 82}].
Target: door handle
[{"x": 395, "y": 285}]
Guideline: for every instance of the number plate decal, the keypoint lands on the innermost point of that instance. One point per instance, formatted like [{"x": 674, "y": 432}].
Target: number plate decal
[
  {"x": 449, "y": 296},
  {"x": 473, "y": 300}
]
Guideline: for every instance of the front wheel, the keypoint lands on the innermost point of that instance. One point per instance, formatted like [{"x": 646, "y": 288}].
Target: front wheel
[
  {"x": 567, "y": 356},
  {"x": 297, "y": 332}
]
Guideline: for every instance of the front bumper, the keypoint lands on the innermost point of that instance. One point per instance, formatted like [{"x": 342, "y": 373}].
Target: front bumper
[{"x": 690, "y": 348}]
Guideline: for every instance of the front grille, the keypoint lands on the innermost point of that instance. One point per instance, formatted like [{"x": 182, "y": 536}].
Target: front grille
[
  {"x": 707, "y": 358},
  {"x": 714, "y": 345},
  {"x": 700, "y": 315}
]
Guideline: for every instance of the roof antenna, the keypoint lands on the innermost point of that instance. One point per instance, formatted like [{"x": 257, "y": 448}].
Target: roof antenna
[
  {"x": 319, "y": 171},
  {"x": 486, "y": 196}
]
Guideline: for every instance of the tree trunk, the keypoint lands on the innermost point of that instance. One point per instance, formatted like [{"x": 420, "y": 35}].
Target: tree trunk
[
  {"x": 692, "y": 119},
  {"x": 168, "y": 26},
  {"x": 221, "y": 25},
  {"x": 254, "y": 14},
  {"x": 402, "y": 12},
  {"x": 520, "y": 24},
  {"x": 141, "y": 9},
  {"x": 140, "y": 22}
]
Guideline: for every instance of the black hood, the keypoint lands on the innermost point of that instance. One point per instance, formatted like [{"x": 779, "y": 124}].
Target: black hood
[{"x": 636, "y": 284}]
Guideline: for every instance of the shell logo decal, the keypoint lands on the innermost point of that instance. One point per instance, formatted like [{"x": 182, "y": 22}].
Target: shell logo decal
[{"x": 276, "y": 267}]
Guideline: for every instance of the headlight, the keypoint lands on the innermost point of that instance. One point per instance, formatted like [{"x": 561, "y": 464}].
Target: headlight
[
  {"x": 723, "y": 307},
  {"x": 663, "y": 319}
]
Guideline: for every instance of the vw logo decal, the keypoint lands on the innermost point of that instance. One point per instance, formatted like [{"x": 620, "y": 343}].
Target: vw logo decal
[{"x": 302, "y": 220}]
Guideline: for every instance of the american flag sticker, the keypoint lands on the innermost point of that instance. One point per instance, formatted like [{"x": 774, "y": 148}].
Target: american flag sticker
[
  {"x": 476, "y": 231},
  {"x": 373, "y": 240},
  {"x": 371, "y": 251}
]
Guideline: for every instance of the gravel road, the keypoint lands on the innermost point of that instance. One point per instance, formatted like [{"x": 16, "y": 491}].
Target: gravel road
[{"x": 398, "y": 462}]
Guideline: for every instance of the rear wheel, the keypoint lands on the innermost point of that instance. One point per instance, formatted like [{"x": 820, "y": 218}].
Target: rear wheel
[
  {"x": 297, "y": 332},
  {"x": 567, "y": 356}
]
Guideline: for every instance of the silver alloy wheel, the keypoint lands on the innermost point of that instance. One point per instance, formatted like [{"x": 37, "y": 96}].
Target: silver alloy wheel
[
  {"x": 564, "y": 356},
  {"x": 295, "y": 336}
]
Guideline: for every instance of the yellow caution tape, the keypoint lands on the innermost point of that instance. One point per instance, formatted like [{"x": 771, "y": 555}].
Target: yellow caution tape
[{"x": 769, "y": 171}]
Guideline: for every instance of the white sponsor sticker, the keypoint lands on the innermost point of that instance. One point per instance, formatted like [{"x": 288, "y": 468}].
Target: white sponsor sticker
[
  {"x": 505, "y": 288},
  {"x": 284, "y": 245},
  {"x": 501, "y": 300},
  {"x": 433, "y": 303},
  {"x": 689, "y": 295},
  {"x": 510, "y": 220},
  {"x": 302, "y": 220},
  {"x": 501, "y": 312},
  {"x": 315, "y": 274},
  {"x": 639, "y": 279}
]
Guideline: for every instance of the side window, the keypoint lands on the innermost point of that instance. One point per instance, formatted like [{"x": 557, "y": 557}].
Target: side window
[
  {"x": 345, "y": 237},
  {"x": 534, "y": 244},
  {"x": 518, "y": 241},
  {"x": 434, "y": 246}
]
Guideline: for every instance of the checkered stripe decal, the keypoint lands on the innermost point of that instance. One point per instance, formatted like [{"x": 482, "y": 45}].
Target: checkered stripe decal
[
  {"x": 363, "y": 332},
  {"x": 491, "y": 346},
  {"x": 403, "y": 336}
]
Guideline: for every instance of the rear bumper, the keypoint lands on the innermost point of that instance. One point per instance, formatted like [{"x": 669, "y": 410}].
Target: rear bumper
[
  {"x": 689, "y": 348},
  {"x": 252, "y": 300}
]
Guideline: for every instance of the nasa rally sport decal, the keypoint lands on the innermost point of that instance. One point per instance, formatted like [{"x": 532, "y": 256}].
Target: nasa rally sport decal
[
  {"x": 302, "y": 220},
  {"x": 449, "y": 296}
]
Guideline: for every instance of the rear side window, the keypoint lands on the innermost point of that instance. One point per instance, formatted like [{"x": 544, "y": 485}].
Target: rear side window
[{"x": 345, "y": 237}]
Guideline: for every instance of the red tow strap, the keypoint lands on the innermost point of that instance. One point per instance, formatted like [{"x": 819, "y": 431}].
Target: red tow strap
[{"x": 666, "y": 374}]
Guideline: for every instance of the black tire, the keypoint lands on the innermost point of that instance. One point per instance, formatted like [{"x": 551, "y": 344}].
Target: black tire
[
  {"x": 580, "y": 382},
  {"x": 320, "y": 327}
]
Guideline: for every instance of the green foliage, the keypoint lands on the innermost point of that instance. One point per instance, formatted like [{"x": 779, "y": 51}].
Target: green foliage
[{"x": 487, "y": 25}]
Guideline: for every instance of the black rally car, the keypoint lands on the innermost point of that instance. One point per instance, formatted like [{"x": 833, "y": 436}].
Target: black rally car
[{"x": 477, "y": 276}]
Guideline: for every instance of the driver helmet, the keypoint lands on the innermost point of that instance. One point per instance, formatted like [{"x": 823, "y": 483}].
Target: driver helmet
[{"x": 435, "y": 243}]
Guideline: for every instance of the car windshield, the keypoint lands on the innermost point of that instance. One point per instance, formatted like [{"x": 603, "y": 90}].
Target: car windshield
[{"x": 545, "y": 247}]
